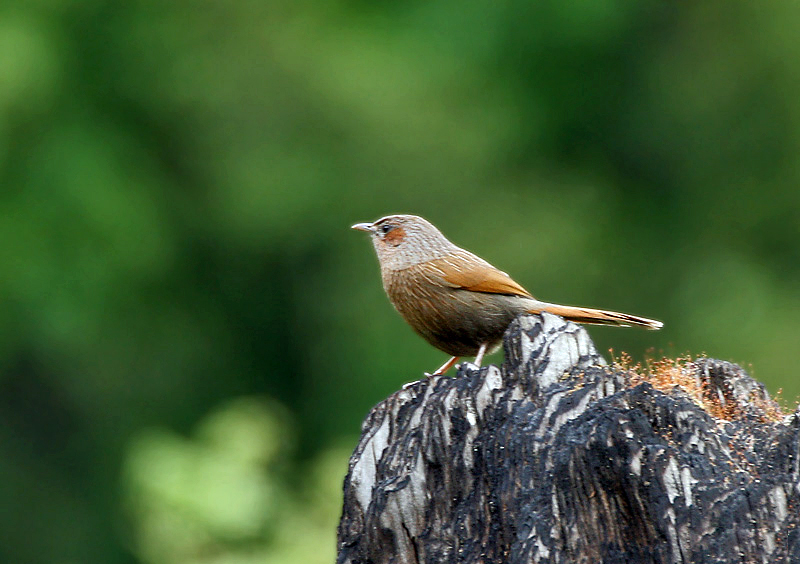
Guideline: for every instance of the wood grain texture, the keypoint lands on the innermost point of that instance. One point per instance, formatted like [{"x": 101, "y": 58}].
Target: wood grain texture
[{"x": 554, "y": 458}]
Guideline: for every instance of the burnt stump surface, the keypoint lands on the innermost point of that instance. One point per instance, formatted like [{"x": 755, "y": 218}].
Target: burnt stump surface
[{"x": 557, "y": 457}]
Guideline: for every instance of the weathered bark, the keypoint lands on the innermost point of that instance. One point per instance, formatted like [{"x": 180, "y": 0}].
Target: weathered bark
[{"x": 556, "y": 457}]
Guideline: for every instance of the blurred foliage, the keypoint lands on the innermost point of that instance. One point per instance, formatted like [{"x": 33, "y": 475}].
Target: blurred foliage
[
  {"x": 223, "y": 497},
  {"x": 179, "y": 179}
]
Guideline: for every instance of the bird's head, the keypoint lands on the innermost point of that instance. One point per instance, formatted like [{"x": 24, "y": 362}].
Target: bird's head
[{"x": 401, "y": 241}]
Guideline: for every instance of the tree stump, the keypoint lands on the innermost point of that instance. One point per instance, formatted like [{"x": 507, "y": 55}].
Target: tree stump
[{"x": 557, "y": 457}]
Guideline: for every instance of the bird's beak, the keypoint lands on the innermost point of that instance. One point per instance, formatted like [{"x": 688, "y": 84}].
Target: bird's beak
[{"x": 363, "y": 227}]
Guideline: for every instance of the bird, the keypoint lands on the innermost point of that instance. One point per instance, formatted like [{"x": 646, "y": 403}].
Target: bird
[{"x": 454, "y": 299}]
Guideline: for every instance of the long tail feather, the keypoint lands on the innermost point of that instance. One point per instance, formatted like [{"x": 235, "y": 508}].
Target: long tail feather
[{"x": 597, "y": 316}]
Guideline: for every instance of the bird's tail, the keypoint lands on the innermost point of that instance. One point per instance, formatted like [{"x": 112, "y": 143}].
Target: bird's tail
[{"x": 597, "y": 316}]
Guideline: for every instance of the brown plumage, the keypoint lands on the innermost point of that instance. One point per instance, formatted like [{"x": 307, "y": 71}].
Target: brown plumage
[{"x": 454, "y": 299}]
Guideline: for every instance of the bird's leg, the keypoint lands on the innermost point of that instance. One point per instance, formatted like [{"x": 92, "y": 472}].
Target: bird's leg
[
  {"x": 439, "y": 371},
  {"x": 479, "y": 357},
  {"x": 446, "y": 366}
]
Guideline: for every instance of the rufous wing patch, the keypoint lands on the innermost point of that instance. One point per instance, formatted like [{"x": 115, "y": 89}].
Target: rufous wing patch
[{"x": 462, "y": 273}]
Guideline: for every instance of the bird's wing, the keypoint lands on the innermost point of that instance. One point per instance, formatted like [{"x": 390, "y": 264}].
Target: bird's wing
[{"x": 466, "y": 271}]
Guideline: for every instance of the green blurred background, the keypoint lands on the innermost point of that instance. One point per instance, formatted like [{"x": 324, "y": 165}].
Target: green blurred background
[{"x": 190, "y": 334}]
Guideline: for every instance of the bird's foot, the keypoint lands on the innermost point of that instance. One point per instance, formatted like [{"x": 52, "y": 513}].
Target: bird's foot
[{"x": 427, "y": 378}]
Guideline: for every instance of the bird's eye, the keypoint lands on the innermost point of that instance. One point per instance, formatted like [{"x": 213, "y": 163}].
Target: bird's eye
[{"x": 386, "y": 228}]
